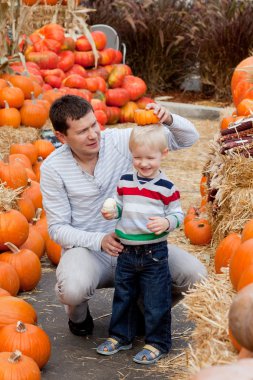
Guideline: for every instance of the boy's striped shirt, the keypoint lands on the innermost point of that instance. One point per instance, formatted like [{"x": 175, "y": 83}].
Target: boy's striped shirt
[{"x": 138, "y": 200}]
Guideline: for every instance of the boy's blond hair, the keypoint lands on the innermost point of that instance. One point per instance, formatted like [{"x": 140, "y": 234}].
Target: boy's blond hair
[{"x": 151, "y": 135}]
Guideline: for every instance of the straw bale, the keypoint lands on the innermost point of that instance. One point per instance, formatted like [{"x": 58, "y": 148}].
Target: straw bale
[
  {"x": 207, "y": 305},
  {"x": 231, "y": 176},
  {"x": 8, "y": 197},
  {"x": 9, "y": 135}
]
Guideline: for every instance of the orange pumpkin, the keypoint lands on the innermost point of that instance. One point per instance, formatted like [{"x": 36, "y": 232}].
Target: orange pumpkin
[
  {"x": 17, "y": 366},
  {"x": 33, "y": 192},
  {"x": 24, "y": 83},
  {"x": 245, "y": 107},
  {"x": 246, "y": 278},
  {"x": 145, "y": 117},
  {"x": 14, "y": 228},
  {"x": 143, "y": 101},
  {"x": 34, "y": 115},
  {"x": 240, "y": 75},
  {"x": 28, "y": 149},
  {"x": 247, "y": 232},
  {"x": 36, "y": 168},
  {"x": 4, "y": 292},
  {"x": 10, "y": 116},
  {"x": 14, "y": 309},
  {"x": 226, "y": 121},
  {"x": 225, "y": 251},
  {"x": 26, "y": 207},
  {"x": 20, "y": 158},
  {"x": 242, "y": 258},
  {"x": 43, "y": 147},
  {"x": 34, "y": 242},
  {"x": 31, "y": 340},
  {"x": 14, "y": 96},
  {"x": 203, "y": 186},
  {"x": 53, "y": 251},
  {"x": 198, "y": 231},
  {"x": 9, "y": 279},
  {"x": 26, "y": 263},
  {"x": 31, "y": 175},
  {"x": 13, "y": 174},
  {"x": 40, "y": 223}
]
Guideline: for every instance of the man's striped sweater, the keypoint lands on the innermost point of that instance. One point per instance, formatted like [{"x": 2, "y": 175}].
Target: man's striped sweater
[{"x": 137, "y": 201}]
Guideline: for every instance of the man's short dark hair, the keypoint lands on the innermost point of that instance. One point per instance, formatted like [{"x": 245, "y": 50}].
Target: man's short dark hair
[{"x": 68, "y": 107}]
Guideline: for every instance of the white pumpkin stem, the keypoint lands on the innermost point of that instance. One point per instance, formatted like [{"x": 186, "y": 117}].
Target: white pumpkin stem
[
  {"x": 12, "y": 247},
  {"x": 21, "y": 328},
  {"x": 22, "y": 59},
  {"x": 6, "y": 104},
  {"x": 15, "y": 356},
  {"x": 37, "y": 215}
]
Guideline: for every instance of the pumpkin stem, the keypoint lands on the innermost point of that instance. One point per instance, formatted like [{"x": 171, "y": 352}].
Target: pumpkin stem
[
  {"x": 15, "y": 356},
  {"x": 6, "y": 104},
  {"x": 22, "y": 59},
  {"x": 21, "y": 328},
  {"x": 12, "y": 247},
  {"x": 37, "y": 215},
  {"x": 33, "y": 99},
  {"x": 9, "y": 83}
]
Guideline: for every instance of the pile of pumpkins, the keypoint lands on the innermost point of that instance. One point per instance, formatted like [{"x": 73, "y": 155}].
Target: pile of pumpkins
[
  {"x": 53, "y": 65},
  {"x": 23, "y": 240}
]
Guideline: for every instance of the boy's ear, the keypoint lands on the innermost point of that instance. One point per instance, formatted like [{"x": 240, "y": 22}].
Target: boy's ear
[{"x": 165, "y": 152}]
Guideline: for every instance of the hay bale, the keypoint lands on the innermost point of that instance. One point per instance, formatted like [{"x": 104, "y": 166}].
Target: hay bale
[
  {"x": 9, "y": 135},
  {"x": 230, "y": 188},
  {"x": 8, "y": 197}
]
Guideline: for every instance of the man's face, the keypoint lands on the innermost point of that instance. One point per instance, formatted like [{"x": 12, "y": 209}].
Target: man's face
[{"x": 83, "y": 135}]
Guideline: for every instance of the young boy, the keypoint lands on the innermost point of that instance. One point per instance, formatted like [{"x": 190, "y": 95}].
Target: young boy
[{"x": 148, "y": 208}]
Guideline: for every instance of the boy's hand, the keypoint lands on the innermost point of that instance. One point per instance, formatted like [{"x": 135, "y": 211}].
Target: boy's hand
[
  {"x": 108, "y": 215},
  {"x": 158, "y": 225},
  {"x": 161, "y": 112}
]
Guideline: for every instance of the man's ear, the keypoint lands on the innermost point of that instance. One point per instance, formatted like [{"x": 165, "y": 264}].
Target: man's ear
[
  {"x": 165, "y": 152},
  {"x": 60, "y": 136}
]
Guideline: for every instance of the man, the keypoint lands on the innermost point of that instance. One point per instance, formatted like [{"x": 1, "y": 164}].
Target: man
[{"x": 75, "y": 181}]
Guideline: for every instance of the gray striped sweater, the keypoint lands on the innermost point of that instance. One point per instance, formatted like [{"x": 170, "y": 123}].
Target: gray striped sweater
[{"x": 73, "y": 199}]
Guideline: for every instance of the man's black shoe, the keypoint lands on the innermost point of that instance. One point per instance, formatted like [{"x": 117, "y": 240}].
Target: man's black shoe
[{"x": 82, "y": 328}]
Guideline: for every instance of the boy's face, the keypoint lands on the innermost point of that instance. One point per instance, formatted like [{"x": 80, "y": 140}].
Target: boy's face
[{"x": 147, "y": 160}]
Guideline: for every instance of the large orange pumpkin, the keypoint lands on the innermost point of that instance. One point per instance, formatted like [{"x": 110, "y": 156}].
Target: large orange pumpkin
[
  {"x": 14, "y": 174},
  {"x": 241, "y": 259},
  {"x": 9, "y": 279},
  {"x": 24, "y": 83},
  {"x": 34, "y": 115},
  {"x": 14, "y": 309},
  {"x": 31, "y": 340},
  {"x": 26, "y": 263},
  {"x": 14, "y": 227},
  {"x": 17, "y": 366},
  {"x": 225, "y": 251}
]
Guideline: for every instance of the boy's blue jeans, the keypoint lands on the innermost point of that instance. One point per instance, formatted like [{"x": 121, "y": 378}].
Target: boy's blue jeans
[{"x": 143, "y": 271}]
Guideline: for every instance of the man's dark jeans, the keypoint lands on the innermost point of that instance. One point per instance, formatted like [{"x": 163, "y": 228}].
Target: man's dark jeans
[{"x": 143, "y": 271}]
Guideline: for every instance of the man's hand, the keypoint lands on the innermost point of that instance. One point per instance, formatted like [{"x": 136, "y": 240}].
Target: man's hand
[
  {"x": 111, "y": 245},
  {"x": 158, "y": 225},
  {"x": 161, "y": 112}
]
